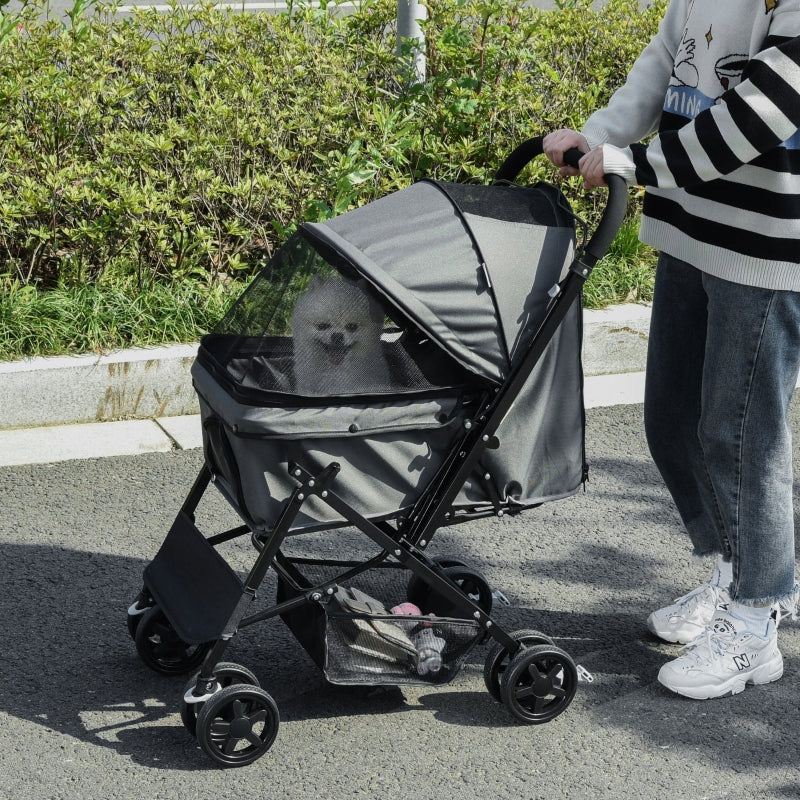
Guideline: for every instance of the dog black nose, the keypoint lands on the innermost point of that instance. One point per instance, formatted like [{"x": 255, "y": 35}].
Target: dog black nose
[{"x": 337, "y": 339}]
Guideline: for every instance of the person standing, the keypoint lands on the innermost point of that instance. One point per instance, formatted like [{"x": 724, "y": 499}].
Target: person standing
[{"x": 718, "y": 88}]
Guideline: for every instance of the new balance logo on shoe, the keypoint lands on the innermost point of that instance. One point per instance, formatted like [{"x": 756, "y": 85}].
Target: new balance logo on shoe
[
  {"x": 724, "y": 625},
  {"x": 742, "y": 661}
]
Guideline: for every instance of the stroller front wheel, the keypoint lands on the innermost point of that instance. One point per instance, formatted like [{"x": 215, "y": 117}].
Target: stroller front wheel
[
  {"x": 237, "y": 725},
  {"x": 161, "y": 649},
  {"x": 226, "y": 674},
  {"x": 135, "y": 612},
  {"x": 539, "y": 683},
  {"x": 498, "y": 659}
]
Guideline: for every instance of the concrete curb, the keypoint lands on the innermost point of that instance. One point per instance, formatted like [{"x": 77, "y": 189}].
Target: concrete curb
[
  {"x": 130, "y": 384},
  {"x": 142, "y": 400},
  {"x": 141, "y": 384},
  {"x": 615, "y": 339}
]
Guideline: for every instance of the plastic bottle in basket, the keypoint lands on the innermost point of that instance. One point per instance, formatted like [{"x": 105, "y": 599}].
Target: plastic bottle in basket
[{"x": 430, "y": 647}]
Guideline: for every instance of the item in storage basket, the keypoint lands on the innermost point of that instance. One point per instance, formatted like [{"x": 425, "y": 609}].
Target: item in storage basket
[
  {"x": 429, "y": 648},
  {"x": 378, "y": 638}
]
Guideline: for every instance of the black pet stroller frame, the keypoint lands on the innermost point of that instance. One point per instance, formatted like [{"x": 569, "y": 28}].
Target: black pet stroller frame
[{"x": 284, "y": 481}]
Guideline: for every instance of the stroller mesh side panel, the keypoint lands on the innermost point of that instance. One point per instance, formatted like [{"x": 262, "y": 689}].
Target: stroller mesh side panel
[{"x": 306, "y": 327}]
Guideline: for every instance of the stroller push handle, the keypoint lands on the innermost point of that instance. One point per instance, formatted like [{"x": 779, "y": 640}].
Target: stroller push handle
[{"x": 613, "y": 213}]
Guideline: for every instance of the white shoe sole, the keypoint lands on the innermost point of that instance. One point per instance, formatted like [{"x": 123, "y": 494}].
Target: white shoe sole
[{"x": 766, "y": 673}]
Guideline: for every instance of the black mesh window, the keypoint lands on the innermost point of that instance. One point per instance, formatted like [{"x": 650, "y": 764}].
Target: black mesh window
[
  {"x": 308, "y": 327},
  {"x": 542, "y": 204}
]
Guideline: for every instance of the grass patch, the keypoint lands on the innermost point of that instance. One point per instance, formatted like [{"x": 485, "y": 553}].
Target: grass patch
[
  {"x": 96, "y": 319},
  {"x": 91, "y": 319},
  {"x": 626, "y": 274},
  {"x": 102, "y": 319}
]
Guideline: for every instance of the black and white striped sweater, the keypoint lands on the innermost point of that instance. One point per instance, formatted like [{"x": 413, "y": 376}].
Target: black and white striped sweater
[{"x": 720, "y": 83}]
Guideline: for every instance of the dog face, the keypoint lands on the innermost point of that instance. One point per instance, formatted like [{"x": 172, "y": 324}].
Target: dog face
[
  {"x": 336, "y": 329},
  {"x": 336, "y": 318}
]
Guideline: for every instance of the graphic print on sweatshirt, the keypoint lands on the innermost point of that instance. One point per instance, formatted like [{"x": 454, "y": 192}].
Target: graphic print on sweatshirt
[{"x": 702, "y": 71}]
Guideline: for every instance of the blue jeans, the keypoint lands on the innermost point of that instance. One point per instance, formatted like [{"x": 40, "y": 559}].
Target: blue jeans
[{"x": 722, "y": 364}]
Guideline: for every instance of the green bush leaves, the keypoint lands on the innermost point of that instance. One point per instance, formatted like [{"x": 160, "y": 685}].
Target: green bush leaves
[{"x": 155, "y": 149}]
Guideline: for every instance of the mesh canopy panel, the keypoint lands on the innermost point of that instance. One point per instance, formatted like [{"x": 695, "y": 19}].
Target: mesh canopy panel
[{"x": 307, "y": 327}]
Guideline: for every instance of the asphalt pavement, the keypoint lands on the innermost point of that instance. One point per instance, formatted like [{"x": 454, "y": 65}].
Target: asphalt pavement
[{"x": 82, "y": 717}]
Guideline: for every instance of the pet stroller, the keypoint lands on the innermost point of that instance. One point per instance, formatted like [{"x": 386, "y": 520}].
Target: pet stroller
[{"x": 412, "y": 364}]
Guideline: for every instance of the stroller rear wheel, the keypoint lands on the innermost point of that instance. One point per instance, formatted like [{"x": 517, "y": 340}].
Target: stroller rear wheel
[
  {"x": 498, "y": 659},
  {"x": 237, "y": 725},
  {"x": 539, "y": 683},
  {"x": 226, "y": 674},
  {"x": 161, "y": 649},
  {"x": 471, "y": 582}
]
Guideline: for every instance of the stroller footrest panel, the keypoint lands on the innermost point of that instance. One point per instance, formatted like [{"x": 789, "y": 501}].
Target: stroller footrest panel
[{"x": 192, "y": 583}]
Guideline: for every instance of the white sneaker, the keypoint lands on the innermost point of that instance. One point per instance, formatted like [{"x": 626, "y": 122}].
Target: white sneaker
[
  {"x": 724, "y": 660},
  {"x": 690, "y": 615}
]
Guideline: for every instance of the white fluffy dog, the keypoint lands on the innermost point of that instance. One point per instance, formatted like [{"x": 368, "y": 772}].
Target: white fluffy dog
[{"x": 336, "y": 330}]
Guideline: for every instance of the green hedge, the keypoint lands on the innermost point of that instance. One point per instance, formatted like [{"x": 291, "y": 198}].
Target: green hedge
[
  {"x": 161, "y": 148},
  {"x": 187, "y": 143}
]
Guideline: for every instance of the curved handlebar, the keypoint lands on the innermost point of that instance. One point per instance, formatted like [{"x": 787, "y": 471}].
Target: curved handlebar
[{"x": 616, "y": 205}]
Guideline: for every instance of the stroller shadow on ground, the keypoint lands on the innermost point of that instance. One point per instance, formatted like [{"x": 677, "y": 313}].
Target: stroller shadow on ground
[
  {"x": 89, "y": 684},
  {"x": 70, "y": 666}
]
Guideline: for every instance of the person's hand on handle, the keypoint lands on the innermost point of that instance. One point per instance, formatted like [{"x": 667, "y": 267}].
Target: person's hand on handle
[
  {"x": 591, "y": 168},
  {"x": 555, "y": 144}
]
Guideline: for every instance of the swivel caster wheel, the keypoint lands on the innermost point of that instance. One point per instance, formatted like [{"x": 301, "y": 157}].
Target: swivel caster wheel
[
  {"x": 225, "y": 674},
  {"x": 136, "y": 611},
  {"x": 498, "y": 659},
  {"x": 161, "y": 649},
  {"x": 539, "y": 684},
  {"x": 237, "y": 725}
]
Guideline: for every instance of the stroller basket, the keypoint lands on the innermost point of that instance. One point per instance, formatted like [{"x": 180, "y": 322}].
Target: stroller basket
[
  {"x": 364, "y": 637},
  {"x": 392, "y": 650}
]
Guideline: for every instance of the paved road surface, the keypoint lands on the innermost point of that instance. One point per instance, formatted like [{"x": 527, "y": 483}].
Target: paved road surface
[{"x": 82, "y": 717}]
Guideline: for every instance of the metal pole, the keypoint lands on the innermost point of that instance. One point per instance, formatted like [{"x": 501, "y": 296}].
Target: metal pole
[{"x": 409, "y": 15}]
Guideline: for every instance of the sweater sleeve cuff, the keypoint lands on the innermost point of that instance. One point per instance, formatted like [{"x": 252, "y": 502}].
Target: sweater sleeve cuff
[
  {"x": 595, "y": 137},
  {"x": 619, "y": 161}
]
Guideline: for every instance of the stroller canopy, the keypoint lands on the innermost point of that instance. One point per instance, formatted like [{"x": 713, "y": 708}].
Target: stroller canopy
[{"x": 470, "y": 265}]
